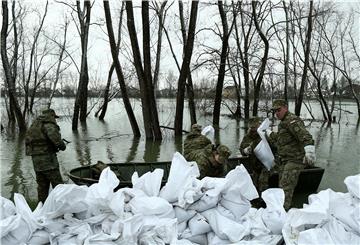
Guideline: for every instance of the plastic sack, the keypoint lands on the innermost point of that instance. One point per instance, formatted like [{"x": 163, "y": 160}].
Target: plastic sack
[
  {"x": 274, "y": 215},
  {"x": 236, "y": 204},
  {"x": 224, "y": 227},
  {"x": 263, "y": 151},
  {"x": 183, "y": 215},
  {"x": 199, "y": 225},
  {"x": 180, "y": 171},
  {"x": 149, "y": 182},
  {"x": 152, "y": 206},
  {"x": 206, "y": 202},
  {"x": 209, "y": 132},
  {"x": 353, "y": 185}
]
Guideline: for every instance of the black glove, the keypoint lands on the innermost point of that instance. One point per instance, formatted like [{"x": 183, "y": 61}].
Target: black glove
[{"x": 62, "y": 146}]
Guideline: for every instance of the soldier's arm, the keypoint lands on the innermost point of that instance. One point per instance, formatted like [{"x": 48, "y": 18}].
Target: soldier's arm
[
  {"x": 53, "y": 133},
  {"x": 246, "y": 141},
  {"x": 298, "y": 130}
]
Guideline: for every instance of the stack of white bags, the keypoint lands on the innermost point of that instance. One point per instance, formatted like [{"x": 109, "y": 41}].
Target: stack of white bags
[{"x": 185, "y": 211}]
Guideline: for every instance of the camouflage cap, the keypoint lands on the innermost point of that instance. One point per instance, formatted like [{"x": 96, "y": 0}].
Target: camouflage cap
[
  {"x": 278, "y": 103},
  {"x": 224, "y": 153},
  {"x": 50, "y": 112},
  {"x": 254, "y": 122},
  {"x": 196, "y": 127}
]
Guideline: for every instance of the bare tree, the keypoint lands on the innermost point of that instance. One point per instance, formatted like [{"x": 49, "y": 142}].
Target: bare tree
[
  {"x": 185, "y": 69},
  {"x": 116, "y": 64},
  {"x": 80, "y": 106},
  {"x": 10, "y": 72},
  {"x": 299, "y": 99},
  {"x": 150, "y": 116}
]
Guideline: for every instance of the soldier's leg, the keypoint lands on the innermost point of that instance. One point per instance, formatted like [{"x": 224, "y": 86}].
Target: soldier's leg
[
  {"x": 263, "y": 182},
  {"x": 288, "y": 181},
  {"x": 55, "y": 178},
  {"x": 43, "y": 185}
]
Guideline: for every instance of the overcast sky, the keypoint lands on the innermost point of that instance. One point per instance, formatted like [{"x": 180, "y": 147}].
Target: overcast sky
[{"x": 99, "y": 55}]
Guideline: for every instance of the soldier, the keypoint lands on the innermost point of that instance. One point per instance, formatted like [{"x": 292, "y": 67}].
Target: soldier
[
  {"x": 295, "y": 148},
  {"x": 260, "y": 174},
  {"x": 195, "y": 140},
  {"x": 43, "y": 141},
  {"x": 211, "y": 160}
]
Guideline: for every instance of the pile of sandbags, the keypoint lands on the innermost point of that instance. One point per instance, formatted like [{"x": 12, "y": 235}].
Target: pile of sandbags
[
  {"x": 185, "y": 211},
  {"x": 329, "y": 218}
]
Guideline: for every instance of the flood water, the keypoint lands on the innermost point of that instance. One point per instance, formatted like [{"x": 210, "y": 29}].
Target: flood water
[{"x": 337, "y": 145}]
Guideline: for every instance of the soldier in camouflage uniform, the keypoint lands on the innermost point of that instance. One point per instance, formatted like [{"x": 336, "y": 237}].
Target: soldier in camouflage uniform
[
  {"x": 195, "y": 140},
  {"x": 211, "y": 161},
  {"x": 259, "y": 175},
  {"x": 295, "y": 148},
  {"x": 43, "y": 141}
]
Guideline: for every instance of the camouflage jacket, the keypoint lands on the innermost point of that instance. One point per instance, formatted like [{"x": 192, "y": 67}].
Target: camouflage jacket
[
  {"x": 43, "y": 137},
  {"x": 291, "y": 138},
  {"x": 205, "y": 161},
  {"x": 195, "y": 141},
  {"x": 252, "y": 139}
]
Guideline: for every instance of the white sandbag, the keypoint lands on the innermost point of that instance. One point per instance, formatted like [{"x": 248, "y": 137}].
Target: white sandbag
[
  {"x": 149, "y": 182},
  {"x": 182, "y": 226},
  {"x": 314, "y": 236},
  {"x": 190, "y": 192},
  {"x": 17, "y": 232},
  {"x": 263, "y": 240},
  {"x": 263, "y": 151},
  {"x": 238, "y": 181},
  {"x": 40, "y": 237},
  {"x": 213, "y": 239},
  {"x": 198, "y": 239},
  {"x": 65, "y": 198},
  {"x": 152, "y": 206},
  {"x": 7, "y": 208},
  {"x": 225, "y": 212},
  {"x": 253, "y": 220},
  {"x": 199, "y": 225},
  {"x": 235, "y": 203},
  {"x": 206, "y": 202},
  {"x": 340, "y": 233},
  {"x": 342, "y": 208},
  {"x": 213, "y": 186},
  {"x": 180, "y": 171},
  {"x": 117, "y": 203},
  {"x": 224, "y": 227},
  {"x": 353, "y": 185},
  {"x": 182, "y": 214},
  {"x": 162, "y": 230},
  {"x": 274, "y": 215},
  {"x": 209, "y": 132}
]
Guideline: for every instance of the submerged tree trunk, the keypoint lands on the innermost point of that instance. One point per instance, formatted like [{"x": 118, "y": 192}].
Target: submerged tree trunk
[
  {"x": 189, "y": 84},
  {"x": 9, "y": 76},
  {"x": 221, "y": 76},
  {"x": 185, "y": 68},
  {"x": 116, "y": 63}
]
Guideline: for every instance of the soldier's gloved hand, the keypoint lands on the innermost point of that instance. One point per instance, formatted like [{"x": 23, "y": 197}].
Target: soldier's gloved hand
[
  {"x": 268, "y": 132},
  {"x": 310, "y": 156},
  {"x": 248, "y": 150}
]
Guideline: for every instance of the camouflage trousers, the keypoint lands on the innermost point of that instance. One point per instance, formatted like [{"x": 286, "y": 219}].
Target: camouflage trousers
[
  {"x": 44, "y": 179},
  {"x": 289, "y": 175}
]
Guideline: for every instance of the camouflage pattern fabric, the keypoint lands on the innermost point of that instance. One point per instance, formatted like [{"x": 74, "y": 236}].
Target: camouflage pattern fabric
[
  {"x": 43, "y": 140},
  {"x": 206, "y": 162},
  {"x": 43, "y": 136},
  {"x": 43, "y": 179},
  {"x": 195, "y": 141},
  {"x": 291, "y": 138},
  {"x": 289, "y": 176}
]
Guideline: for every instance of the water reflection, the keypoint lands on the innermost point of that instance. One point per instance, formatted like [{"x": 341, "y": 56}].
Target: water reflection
[
  {"x": 152, "y": 151},
  {"x": 133, "y": 149}
]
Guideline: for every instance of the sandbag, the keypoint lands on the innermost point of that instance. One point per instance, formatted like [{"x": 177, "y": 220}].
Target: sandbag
[
  {"x": 149, "y": 182},
  {"x": 180, "y": 171},
  {"x": 263, "y": 151},
  {"x": 199, "y": 225}
]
